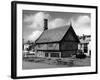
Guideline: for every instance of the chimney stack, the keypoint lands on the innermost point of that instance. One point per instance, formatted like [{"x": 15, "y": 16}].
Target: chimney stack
[
  {"x": 83, "y": 37},
  {"x": 45, "y": 24}
]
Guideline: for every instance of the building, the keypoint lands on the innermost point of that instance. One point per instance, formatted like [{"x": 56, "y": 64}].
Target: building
[
  {"x": 28, "y": 46},
  {"x": 60, "y": 42},
  {"x": 85, "y": 44}
]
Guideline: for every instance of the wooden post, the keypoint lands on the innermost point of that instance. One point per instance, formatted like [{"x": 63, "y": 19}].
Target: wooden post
[
  {"x": 49, "y": 55},
  {"x": 59, "y": 54}
]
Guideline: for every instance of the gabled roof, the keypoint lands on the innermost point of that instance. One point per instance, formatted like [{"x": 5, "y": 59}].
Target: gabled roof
[
  {"x": 53, "y": 35},
  {"x": 86, "y": 40}
]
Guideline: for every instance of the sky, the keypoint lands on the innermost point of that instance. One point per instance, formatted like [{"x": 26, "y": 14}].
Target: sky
[{"x": 33, "y": 22}]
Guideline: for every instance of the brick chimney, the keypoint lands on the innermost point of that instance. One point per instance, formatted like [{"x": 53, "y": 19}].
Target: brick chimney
[{"x": 45, "y": 24}]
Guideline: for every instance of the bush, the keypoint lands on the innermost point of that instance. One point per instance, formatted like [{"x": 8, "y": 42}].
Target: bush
[{"x": 81, "y": 56}]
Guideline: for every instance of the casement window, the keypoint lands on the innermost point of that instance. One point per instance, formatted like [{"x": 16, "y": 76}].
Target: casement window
[{"x": 54, "y": 54}]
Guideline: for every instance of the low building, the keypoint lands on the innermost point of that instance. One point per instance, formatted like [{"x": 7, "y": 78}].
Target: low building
[
  {"x": 26, "y": 46},
  {"x": 85, "y": 44},
  {"x": 60, "y": 42}
]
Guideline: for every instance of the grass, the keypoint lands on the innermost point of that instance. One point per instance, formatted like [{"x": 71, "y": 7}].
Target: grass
[{"x": 38, "y": 63}]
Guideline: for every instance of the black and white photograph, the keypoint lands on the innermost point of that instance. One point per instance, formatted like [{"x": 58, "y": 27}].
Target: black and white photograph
[
  {"x": 53, "y": 39},
  {"x": 56, "y": 39}
]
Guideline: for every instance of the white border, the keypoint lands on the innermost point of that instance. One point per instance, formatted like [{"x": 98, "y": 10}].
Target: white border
[{"x": 35, "y": 72}]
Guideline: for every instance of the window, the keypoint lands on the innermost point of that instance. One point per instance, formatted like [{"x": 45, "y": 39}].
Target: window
[
  {"x": 85, "y": 48},
  {"x": 46, "y": 54},
  {"x": 54, "y": 54}
]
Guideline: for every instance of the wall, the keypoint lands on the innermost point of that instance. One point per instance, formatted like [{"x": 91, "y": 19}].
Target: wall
[
  {"x": 40, "y": 54},
  {"x": 5, "y": 40},
  {"x": 69, "y": 41},
  {"x": 69, "y": 46},
  {"x": 70, "y": 36},
  {"x": 49, "y": 46},
  {"x": 65, "y": 54}
]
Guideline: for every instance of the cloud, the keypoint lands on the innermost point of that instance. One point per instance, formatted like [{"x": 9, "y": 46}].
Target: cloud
[
  {"x": 82, "y": 25},
  {"x": 36, "y": 20},
  {"x": 34, "y": 35},
  {"x": 28, "y": 18},
  {"x": 58, "y": 22},
  {"x": 83, "y": 19}
]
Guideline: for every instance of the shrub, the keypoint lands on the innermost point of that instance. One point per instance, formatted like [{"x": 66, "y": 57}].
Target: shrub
[{"x": 80, "y": 55}]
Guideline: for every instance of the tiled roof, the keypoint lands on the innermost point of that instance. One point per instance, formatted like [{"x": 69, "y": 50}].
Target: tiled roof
[{"x": 53, "y": 35}]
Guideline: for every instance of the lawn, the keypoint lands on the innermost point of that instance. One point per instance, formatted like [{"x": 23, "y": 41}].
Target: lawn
[{"x": 38, "y": 64}]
